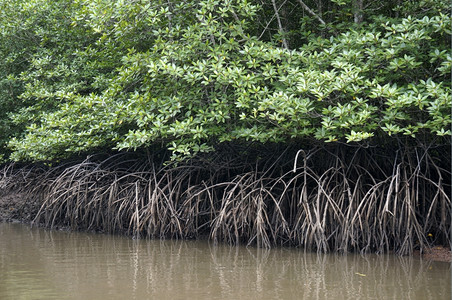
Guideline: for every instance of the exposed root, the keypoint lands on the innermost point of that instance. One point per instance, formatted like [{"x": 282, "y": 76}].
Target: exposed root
[{"x": 342, "y": 201}]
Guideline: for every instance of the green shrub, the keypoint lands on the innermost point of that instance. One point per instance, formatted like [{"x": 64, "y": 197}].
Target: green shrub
[{"x": 190, "y": 75}]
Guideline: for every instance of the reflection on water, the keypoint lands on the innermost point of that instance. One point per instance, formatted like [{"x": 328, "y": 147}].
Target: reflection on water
[{"x": 40, "y": 264}]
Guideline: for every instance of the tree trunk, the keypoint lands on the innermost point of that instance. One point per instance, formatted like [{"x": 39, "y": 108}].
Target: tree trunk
[{"x": 358, "y": 7}]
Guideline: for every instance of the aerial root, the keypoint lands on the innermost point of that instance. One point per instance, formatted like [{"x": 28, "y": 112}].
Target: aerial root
[{"x": 322, "y": 204}]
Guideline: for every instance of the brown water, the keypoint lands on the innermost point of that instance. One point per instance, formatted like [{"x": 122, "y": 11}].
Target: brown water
[{"x": 41, "y": 264}]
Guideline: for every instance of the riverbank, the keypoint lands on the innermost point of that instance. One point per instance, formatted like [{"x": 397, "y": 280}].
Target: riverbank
[
  {"x": 15, "y": 207},
  {"x": 344, "y": 202}
]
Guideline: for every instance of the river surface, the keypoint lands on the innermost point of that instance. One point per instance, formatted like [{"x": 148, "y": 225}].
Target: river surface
[{"x": 42, "y": 264}]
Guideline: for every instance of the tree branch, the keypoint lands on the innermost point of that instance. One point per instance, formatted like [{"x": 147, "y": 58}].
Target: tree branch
[
  {"x": 281, "y": 29},
  {"x": 311, "y": 12}
]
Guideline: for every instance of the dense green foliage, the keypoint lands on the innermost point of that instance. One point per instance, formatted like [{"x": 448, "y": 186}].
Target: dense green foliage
[{"x": 82, "y": 76}]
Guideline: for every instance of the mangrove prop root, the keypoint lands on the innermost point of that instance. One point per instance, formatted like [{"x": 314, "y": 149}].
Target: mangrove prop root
[{"x": 324, "y": 201}]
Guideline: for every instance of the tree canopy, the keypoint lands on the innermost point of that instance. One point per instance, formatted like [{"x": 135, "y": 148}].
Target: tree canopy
[{"x": 83, "y": 76}]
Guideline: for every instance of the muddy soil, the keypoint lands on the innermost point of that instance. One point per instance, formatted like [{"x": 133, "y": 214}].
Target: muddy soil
[
  {"x": 16, "y": 207},
  {"x": 436, "y": 253}
]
